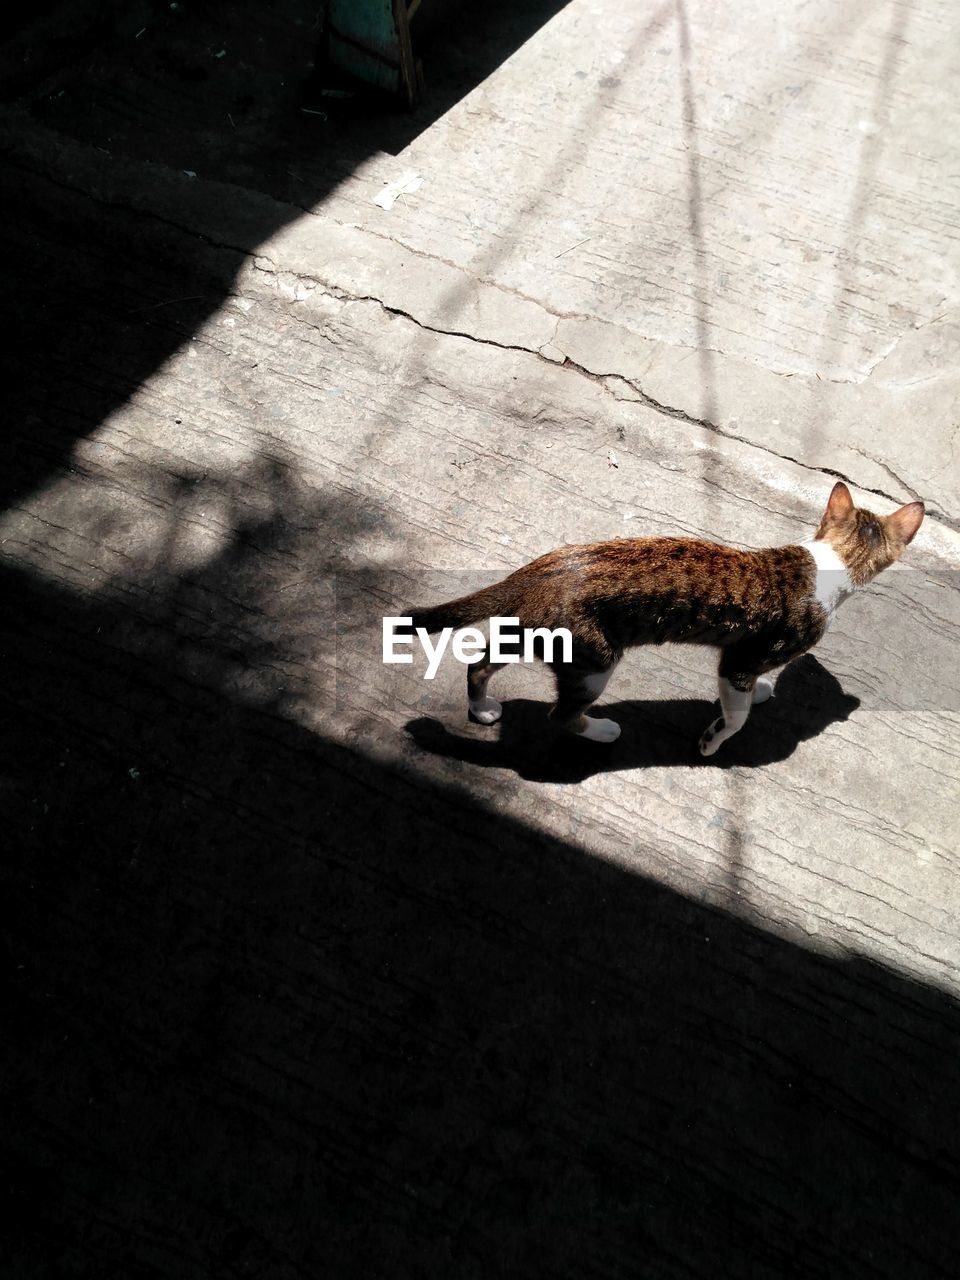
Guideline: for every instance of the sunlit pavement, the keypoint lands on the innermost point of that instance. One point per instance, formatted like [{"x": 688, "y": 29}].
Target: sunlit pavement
[{"x": 309, "y": 975}]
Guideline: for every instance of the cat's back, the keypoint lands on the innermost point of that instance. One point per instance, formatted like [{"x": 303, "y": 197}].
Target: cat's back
[
  {"x": 674, "y": 588},
  {"x": 684, "y": 565}
]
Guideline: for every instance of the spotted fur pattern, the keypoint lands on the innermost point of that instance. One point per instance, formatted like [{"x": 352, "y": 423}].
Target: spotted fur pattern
[{"x": 759, "y": 608}]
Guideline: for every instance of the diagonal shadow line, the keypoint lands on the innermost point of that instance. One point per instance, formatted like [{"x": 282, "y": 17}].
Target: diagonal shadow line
[
  {"x": 868, "y": 161},
  {"x": 736, "y": 852},
  {"x": 276, "y": 1007},
  {"x": 753, "y": 139},
  {"x": 73, "y": 355},
  {"x": 705, "y": 354}
]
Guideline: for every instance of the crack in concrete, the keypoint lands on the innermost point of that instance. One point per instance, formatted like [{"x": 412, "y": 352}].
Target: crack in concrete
[
  {"x": 890, "y": 472},
  {"x": 942, "y": 314},
  {"x": 433, "y": 257},
  {"x": 858, "y": 378},
  {"x": 682, "y": 415},
  {"x": 642, "y": 397}
]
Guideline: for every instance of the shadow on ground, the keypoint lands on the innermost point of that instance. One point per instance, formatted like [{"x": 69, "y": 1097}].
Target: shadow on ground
[
  {"x": 654, "y": 732},
  {"x": 101, "y": 295},
  {"x": 274, "y": 1008}
]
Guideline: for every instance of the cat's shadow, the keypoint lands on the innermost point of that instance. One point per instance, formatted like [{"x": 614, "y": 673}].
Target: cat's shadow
[{"x": 654, "y": 732}]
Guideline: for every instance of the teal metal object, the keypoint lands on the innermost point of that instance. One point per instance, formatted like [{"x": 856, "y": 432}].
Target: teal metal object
[{"x": 369, "y": 41}]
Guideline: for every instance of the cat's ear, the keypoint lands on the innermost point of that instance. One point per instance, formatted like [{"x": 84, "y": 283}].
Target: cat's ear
[
  {"x": 839, "y": 505},
  {"x": 906, "y": 521}
]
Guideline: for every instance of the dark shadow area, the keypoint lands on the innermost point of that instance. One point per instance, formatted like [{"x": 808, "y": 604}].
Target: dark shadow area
[
  {"x": 96, "y": 295},
  {"x": 658, "y": 731},
  {"x": 653, "y": 732},
  {"x": 458, "y": 46},
  {"x": 274, "y": 1009}
]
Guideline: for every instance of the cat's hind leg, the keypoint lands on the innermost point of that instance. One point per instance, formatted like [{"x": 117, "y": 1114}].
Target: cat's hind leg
[
  {"x": 762, "y": 690},
  {"x": 578, "y": 687},
  {"x": 482, "y": 707},
  {"x": 735, "y": 704}
]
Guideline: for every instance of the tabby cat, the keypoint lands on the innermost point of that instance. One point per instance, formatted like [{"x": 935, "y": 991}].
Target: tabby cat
[{"x": 759, "y": 608}]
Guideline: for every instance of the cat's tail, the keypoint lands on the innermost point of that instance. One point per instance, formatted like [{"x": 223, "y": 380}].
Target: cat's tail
[{"x": 500, "y": 600}]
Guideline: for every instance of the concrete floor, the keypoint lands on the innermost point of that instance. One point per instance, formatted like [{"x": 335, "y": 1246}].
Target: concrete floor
[{"x": 308, "y": 976}]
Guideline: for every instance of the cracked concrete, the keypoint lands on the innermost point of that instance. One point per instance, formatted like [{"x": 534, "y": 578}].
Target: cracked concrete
[
  {"x": 397, "y": 324},
  {"x": 839, "y": 423}
]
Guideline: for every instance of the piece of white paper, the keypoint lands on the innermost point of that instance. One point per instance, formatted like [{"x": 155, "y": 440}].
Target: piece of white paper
[{"x": 408, "y": 182}]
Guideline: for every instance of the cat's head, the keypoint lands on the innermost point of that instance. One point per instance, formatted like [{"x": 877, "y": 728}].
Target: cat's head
[{"x": 866, "y": 543}]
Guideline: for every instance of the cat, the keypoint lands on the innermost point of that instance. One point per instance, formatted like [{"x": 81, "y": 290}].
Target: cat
[{"x": 759, "y": 608}]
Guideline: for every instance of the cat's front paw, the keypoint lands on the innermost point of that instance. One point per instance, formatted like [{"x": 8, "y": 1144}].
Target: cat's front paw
[
  {"x": 599, "y": 730},
  {"x": 712, "y": 737},
  {"x": 762, "y": 690},
  {"x": 486, "y": 710}
]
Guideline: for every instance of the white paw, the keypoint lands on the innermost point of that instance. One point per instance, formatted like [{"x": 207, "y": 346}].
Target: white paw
[
  {"x": 600, "y": 730},
  {"x": 762, "y": 690},
  {"x": 486, "y": 710},
  {"x": 712, "y": 737}
]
